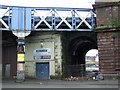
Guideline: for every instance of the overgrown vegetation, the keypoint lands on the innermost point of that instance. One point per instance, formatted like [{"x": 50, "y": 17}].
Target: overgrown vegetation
[{"x": 58, "y": 77}]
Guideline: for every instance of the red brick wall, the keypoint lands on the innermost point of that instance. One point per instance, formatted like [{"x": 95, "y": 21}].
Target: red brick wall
[
  {"x": 108, "y": 36},
  {"x": 109, "y": 51},
  {"x": 107, "y": 14}
]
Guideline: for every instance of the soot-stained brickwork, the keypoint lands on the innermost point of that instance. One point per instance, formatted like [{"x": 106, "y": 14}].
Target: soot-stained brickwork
[{"x": 108, "y": 37}]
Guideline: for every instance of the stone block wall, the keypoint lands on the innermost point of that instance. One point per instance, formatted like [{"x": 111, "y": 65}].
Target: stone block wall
[{"x": 50, "y": 40}]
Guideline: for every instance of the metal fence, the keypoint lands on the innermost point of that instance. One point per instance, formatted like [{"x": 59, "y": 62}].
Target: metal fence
[{"x": 75, "y": 70}]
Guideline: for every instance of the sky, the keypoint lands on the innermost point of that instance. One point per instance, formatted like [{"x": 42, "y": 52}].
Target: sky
[
  {"x": 92, "y": 52},
  {"x": 53, "y": 3},
  {"x": 49, "y": 3}
]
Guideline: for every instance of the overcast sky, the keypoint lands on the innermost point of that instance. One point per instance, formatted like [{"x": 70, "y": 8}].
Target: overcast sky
[
  {"x": 92, "y": 52},
  {"x": 49, "y": 3}
]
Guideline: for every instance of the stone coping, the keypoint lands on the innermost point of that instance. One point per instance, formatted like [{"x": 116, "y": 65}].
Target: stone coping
[{"x": 106, "y": 4}]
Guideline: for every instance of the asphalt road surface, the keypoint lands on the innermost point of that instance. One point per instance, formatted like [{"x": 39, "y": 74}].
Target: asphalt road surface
[{"x": 60, "y": 84}]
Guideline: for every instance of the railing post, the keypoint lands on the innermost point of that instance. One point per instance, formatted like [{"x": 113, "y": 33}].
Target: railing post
[
  {"x": 9, "y": 19},
  {"x": 92, "y": 19},
  {"x": 73, "y": 20},
  {"x": 53, "y": 19}
]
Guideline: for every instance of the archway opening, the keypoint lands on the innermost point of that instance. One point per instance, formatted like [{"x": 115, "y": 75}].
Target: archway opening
[
  {"x": 92, "y": 61},
  {"x": 77, "y": 52}
]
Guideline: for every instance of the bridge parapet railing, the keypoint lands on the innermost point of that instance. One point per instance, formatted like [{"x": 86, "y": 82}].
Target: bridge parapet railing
[{"x": 46, "y": 18}]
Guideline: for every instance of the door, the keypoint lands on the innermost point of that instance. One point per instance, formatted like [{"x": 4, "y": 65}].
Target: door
[
  {"x": 7, "y": 70},
  {"x": 42, "y": 71}
]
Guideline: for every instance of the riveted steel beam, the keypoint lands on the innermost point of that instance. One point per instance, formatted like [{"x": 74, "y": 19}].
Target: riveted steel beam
[{"x": 46, "y": 18}]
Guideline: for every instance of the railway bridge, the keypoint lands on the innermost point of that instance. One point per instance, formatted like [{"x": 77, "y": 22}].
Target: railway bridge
[{"x": 42, "y": 43}]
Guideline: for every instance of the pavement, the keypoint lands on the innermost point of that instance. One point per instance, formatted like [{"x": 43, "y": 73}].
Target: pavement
[{"x": 31, "y": 83}]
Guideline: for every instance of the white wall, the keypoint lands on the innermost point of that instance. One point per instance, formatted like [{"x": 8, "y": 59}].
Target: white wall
[{"x": 51, "y": 41}]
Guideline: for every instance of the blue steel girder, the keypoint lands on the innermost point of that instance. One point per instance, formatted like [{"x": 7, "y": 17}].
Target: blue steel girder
[{"x": 49, "y": 18}]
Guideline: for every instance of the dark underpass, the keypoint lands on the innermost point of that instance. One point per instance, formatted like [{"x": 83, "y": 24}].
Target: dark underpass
[{"x": 77, "y": 44}]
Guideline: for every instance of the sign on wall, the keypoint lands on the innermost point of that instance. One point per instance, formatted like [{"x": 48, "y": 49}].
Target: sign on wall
[
  {"x": 42, "y": 54},
  {"x": 20, "y": 57}
]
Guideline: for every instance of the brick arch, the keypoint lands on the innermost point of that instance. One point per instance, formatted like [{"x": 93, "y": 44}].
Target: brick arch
[{"x": 78, "y": 47}]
